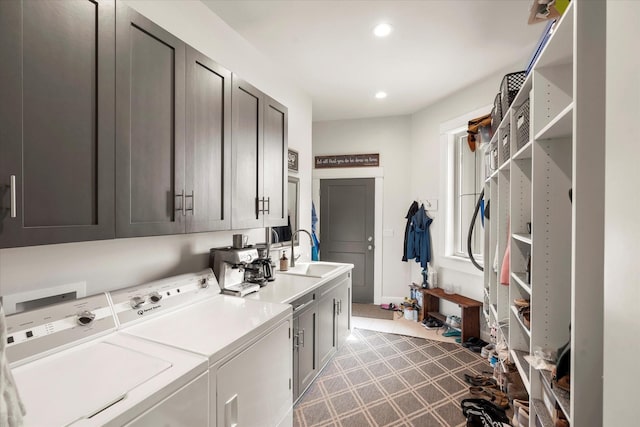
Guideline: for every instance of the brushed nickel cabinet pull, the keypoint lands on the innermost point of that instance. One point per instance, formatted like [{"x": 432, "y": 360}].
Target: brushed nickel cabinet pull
[
  {"x": 14, "y": 210},
  {"x": 193, "y": 201},
  {"x": 181, "y": 208}
]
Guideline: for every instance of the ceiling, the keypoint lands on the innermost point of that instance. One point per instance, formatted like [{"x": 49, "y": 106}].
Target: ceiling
[{"x": 436, "y": 48}]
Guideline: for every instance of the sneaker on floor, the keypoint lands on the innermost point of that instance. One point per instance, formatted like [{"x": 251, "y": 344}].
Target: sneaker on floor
[
  {"x": 484, "y": 352},
  {"x": 432, "y": 323},
  {"x": 451, "y": 333}
]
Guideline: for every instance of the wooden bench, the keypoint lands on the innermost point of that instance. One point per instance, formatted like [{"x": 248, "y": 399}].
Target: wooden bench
[{"x": 470, "y": 316}]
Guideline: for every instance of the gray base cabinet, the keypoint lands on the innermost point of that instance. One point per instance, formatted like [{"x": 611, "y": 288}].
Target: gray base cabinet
[
  {"x": 305, "y": 362},
  {"x": 57, "y": 66},
  {"x": 334, "y": 307},
  {"x": 322, "y": 321}
]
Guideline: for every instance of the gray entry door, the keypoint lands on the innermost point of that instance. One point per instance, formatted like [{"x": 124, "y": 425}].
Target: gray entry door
[{"x": 346, "y": 229}]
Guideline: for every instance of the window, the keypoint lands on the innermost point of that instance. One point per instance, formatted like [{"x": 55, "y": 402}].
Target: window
[{"x": 467, "y": 185}]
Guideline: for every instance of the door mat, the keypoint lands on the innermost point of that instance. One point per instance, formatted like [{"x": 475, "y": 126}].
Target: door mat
[{"x": 370, "y": 310}]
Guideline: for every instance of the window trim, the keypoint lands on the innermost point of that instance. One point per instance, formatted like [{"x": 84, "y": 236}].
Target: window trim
[{"x": 447, "y": 131}]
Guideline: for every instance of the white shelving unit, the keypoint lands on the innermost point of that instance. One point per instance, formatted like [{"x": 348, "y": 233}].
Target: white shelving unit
[{"x": 530, "y": 210}]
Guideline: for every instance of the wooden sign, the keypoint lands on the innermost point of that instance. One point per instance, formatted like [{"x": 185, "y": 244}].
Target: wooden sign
[
  {"x": 292, "y": 160},
  {"x": 347, "y": 161}
]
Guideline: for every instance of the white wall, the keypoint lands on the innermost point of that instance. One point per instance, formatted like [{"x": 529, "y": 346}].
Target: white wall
[
  {"x": 622, "y": 228},
  {"x": 428, "y": 177},
  {"x": 111, "y": 264},
  {"x": 389, "y": 136},
  {"x": 414, "y": 164}
]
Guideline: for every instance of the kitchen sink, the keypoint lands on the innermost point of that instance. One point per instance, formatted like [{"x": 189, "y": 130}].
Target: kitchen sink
[{"x": 317, "y": 269}]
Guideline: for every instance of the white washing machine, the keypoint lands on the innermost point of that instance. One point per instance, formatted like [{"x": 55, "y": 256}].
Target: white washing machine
[
  {"x": 72, "y": 368},
  {"x": 247, "y": 343}
]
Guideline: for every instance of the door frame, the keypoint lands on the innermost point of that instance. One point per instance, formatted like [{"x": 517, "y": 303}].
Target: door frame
[{"x": 348, "y": 173}]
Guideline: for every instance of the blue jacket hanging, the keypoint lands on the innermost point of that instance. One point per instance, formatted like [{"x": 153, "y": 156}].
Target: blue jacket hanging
[{"x": 419, "y": 241}]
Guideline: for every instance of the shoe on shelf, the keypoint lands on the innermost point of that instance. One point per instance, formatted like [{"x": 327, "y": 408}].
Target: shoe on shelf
[
  {"x": 454, "y": 321},
  {"x": 521, "y": 302},
  {"x": 484, "y": 352}
]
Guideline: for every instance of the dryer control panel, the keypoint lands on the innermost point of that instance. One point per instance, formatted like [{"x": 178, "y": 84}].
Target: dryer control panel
[{"x": 134, "y": 304}]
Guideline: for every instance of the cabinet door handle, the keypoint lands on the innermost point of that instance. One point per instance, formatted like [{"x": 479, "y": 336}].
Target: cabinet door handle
[
  {"x": 301, "y": 334},
  {"x": 181, "y": 208},
  {"x": 268, "y": 201},
  {"x": 340, "y": 306},
  {"x": 296, "y": 340},
  {"x": 14, "y": 210},
  {"x": 301, "y": 306},
  {"x": 193, "y": 201},
  {"x": 258, "y": 209},
  {"x": 231, "y": 412}
]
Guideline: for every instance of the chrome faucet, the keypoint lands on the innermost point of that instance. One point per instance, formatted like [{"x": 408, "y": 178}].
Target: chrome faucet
[
  {"x": 269, "y": 234},
  {"x": 292, "y": 263}
]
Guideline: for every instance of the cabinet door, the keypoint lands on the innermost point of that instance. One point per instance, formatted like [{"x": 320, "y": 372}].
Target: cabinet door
[
  {"x": 208, "y": 144},
  {"x": 150, "y": 87},
  {"x": 275, "y": 163},
  {"x": 253, "y": 388},
  {"x": 247, "y": 156},
  {"x": 56, "y": 121},
  {"x": 343, "y": 294},
  {"x": 307, "y": 362},
  {"x": 326, "y": 327},
  {"x": 296, "y": 358}
]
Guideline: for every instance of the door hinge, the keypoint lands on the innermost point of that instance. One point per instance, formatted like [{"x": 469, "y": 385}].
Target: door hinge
[
  {"x": 289, "y": 333},
  {"x": 289, "y": 383}
]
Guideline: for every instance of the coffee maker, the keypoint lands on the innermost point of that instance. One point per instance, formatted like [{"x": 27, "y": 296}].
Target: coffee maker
[{"x": 230, "y": 265}]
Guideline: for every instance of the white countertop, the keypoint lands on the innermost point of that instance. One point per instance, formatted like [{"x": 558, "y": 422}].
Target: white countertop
[{"x": 287, "y": 287}]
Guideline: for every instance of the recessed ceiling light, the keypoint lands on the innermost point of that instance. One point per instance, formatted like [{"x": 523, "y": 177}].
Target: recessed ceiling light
[
  {"x": 382, "y": 30},
  {"x": 381, "y": 95}
]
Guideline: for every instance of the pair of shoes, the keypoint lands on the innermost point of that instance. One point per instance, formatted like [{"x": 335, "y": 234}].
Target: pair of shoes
[
  {"x": 493, "y": 395},
  {"x": 432, "y": 323},
  {"x": 521, "y": 302},
  {"x": 484, "y": 352},
  {"x": 474, "y": 344},
  {"x": 481, "y": 412},
  {"x": 452, "y": 333},
  {"x": 520, "y": 413},
  {"x": 480, "y": 380},
  {"x": 453, "y": 321}
]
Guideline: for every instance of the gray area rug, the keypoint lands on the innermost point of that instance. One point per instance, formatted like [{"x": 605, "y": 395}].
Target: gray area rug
[
  {"x": 370, "y": 310},
  {"x": 381, "y": 379}
]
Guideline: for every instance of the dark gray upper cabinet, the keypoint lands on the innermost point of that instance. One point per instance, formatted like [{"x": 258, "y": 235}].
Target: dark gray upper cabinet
[
  {"x": 259, "y": 151},
  {"x": 274, "y": 174},
  {"x": 150, "y": 128},
  {"x": 208, "y": 155},
  {"x": 56, "y": 121}
]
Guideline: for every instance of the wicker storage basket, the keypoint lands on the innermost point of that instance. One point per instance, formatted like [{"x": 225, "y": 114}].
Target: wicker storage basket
[
  {"x": 493, "y": 156},
  {"x": 511, "y": 84},
  {"x": 504, "y": 143},
  {"x": 496, "y": 113},
  {"x": 522, "y": 125}
]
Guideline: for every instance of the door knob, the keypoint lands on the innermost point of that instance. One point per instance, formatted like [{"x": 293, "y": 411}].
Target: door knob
[
  {"x": 370, "y": 247},
  {"x": 370, "y": 238}
]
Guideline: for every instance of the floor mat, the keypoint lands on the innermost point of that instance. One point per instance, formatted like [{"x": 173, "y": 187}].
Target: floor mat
[{"x": 370, "y": 310}]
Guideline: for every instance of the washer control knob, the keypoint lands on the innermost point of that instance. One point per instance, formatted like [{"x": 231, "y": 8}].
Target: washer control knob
[
  {"x": 204, "y": 282},
  {"x": 85, "y": 318},
  {"x": 154, "y": 297},
  {"x": 136, "y": 302}
]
